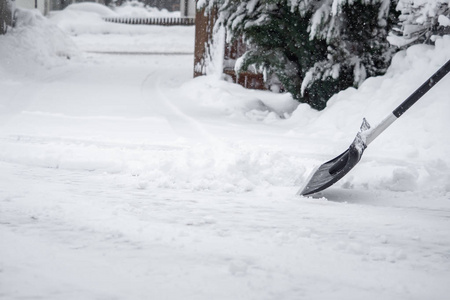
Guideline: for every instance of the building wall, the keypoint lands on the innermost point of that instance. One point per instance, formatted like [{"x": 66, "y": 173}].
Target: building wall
[
  {"x": 204, "y": 40},
  {"x": 204, "y": 23}
]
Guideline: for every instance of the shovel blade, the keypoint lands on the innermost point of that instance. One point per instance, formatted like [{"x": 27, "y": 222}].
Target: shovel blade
[{"x": 332, "y": 171}]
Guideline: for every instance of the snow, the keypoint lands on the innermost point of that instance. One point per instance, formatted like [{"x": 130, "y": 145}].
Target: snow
[
  {"x": 84, "y": 23},
  {"x": 443, "y": 20},
  {"x": 121, "y": 177},
  {"x": 141, "y": 40},
  {"x": 139, "y": 10},
  {"x": 91, "y": 9},
  {"x": 34, "y": 42}
]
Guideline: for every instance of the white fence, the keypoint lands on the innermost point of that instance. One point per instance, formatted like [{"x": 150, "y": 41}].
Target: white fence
[{"x": 153, "y": 21}]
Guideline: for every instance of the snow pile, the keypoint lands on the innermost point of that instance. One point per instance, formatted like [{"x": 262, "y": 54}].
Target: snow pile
[
  {"x": 34, "y": 44},
  {"x": 235, "y": 168},
  {"x": 418, "y": 142},
  {"x": 213, "y": 96},
  {"x": 84, "y": 23},
  {"x": 87, "y": 18},
  {"x": 92, "y": 9},
  {"x": 418, "y": 138},
  {"x": 82, "y": 18},
  {"x": 135, "y": 9}
]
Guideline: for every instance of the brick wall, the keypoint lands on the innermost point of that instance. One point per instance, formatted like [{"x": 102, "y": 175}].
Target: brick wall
[{"x": 204, "y": 23}]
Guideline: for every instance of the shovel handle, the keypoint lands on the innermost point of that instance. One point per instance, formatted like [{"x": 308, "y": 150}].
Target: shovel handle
[
  {"x": 372, "y": 133},
  {"x": 425, "y": 87}
]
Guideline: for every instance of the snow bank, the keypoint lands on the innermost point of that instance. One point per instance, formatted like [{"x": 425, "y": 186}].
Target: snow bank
[
  {"x": 83, "y": 18},
  {"x": 33, "y": 44},
  {"x": 87, "y": 18},
  {"x": 411, "y": 155},
  {"x": 419, "y": 138},
  {"x": 84, "y": 23},
  {"x": 91, "y": 8},
  {"x": 135, "y": 9}
]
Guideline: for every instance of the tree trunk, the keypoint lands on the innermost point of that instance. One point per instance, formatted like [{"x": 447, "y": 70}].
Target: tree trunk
[{"x": 6, "y": 17}]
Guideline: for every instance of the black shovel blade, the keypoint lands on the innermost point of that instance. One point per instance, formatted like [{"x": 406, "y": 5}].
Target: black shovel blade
[{"x": 332, "y": 171}]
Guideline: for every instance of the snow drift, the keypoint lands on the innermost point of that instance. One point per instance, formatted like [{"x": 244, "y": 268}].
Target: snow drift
[
  {"x": 34, "y": 44},
  {"x": 417, "y": 141},
  {"x": 84, "y": 23},
  {"x": 87, "y": 18},
  {"x": 135, "y": 9}
]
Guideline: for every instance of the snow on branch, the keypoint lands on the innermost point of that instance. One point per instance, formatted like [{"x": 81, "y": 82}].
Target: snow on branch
[{"x": 421, "y": 21}]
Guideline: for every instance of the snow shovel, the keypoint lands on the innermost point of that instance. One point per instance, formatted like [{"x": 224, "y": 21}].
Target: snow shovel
[{"x": 330, "y": 172}]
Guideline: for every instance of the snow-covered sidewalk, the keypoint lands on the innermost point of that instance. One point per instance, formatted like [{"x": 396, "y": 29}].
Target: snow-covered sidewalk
[{"x": 121, "y": 177}]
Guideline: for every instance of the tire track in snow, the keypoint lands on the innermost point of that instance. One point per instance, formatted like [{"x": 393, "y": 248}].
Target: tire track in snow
[{"x": 183, "y": 124}]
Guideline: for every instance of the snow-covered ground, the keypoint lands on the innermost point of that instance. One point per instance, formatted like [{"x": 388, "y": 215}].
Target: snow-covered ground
[{"x": 121, "y": 177}]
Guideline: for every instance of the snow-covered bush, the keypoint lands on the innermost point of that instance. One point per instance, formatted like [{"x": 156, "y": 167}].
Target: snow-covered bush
[
  {"x": 420, "y": 20},
  {"x": 316, "y": 48}
]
